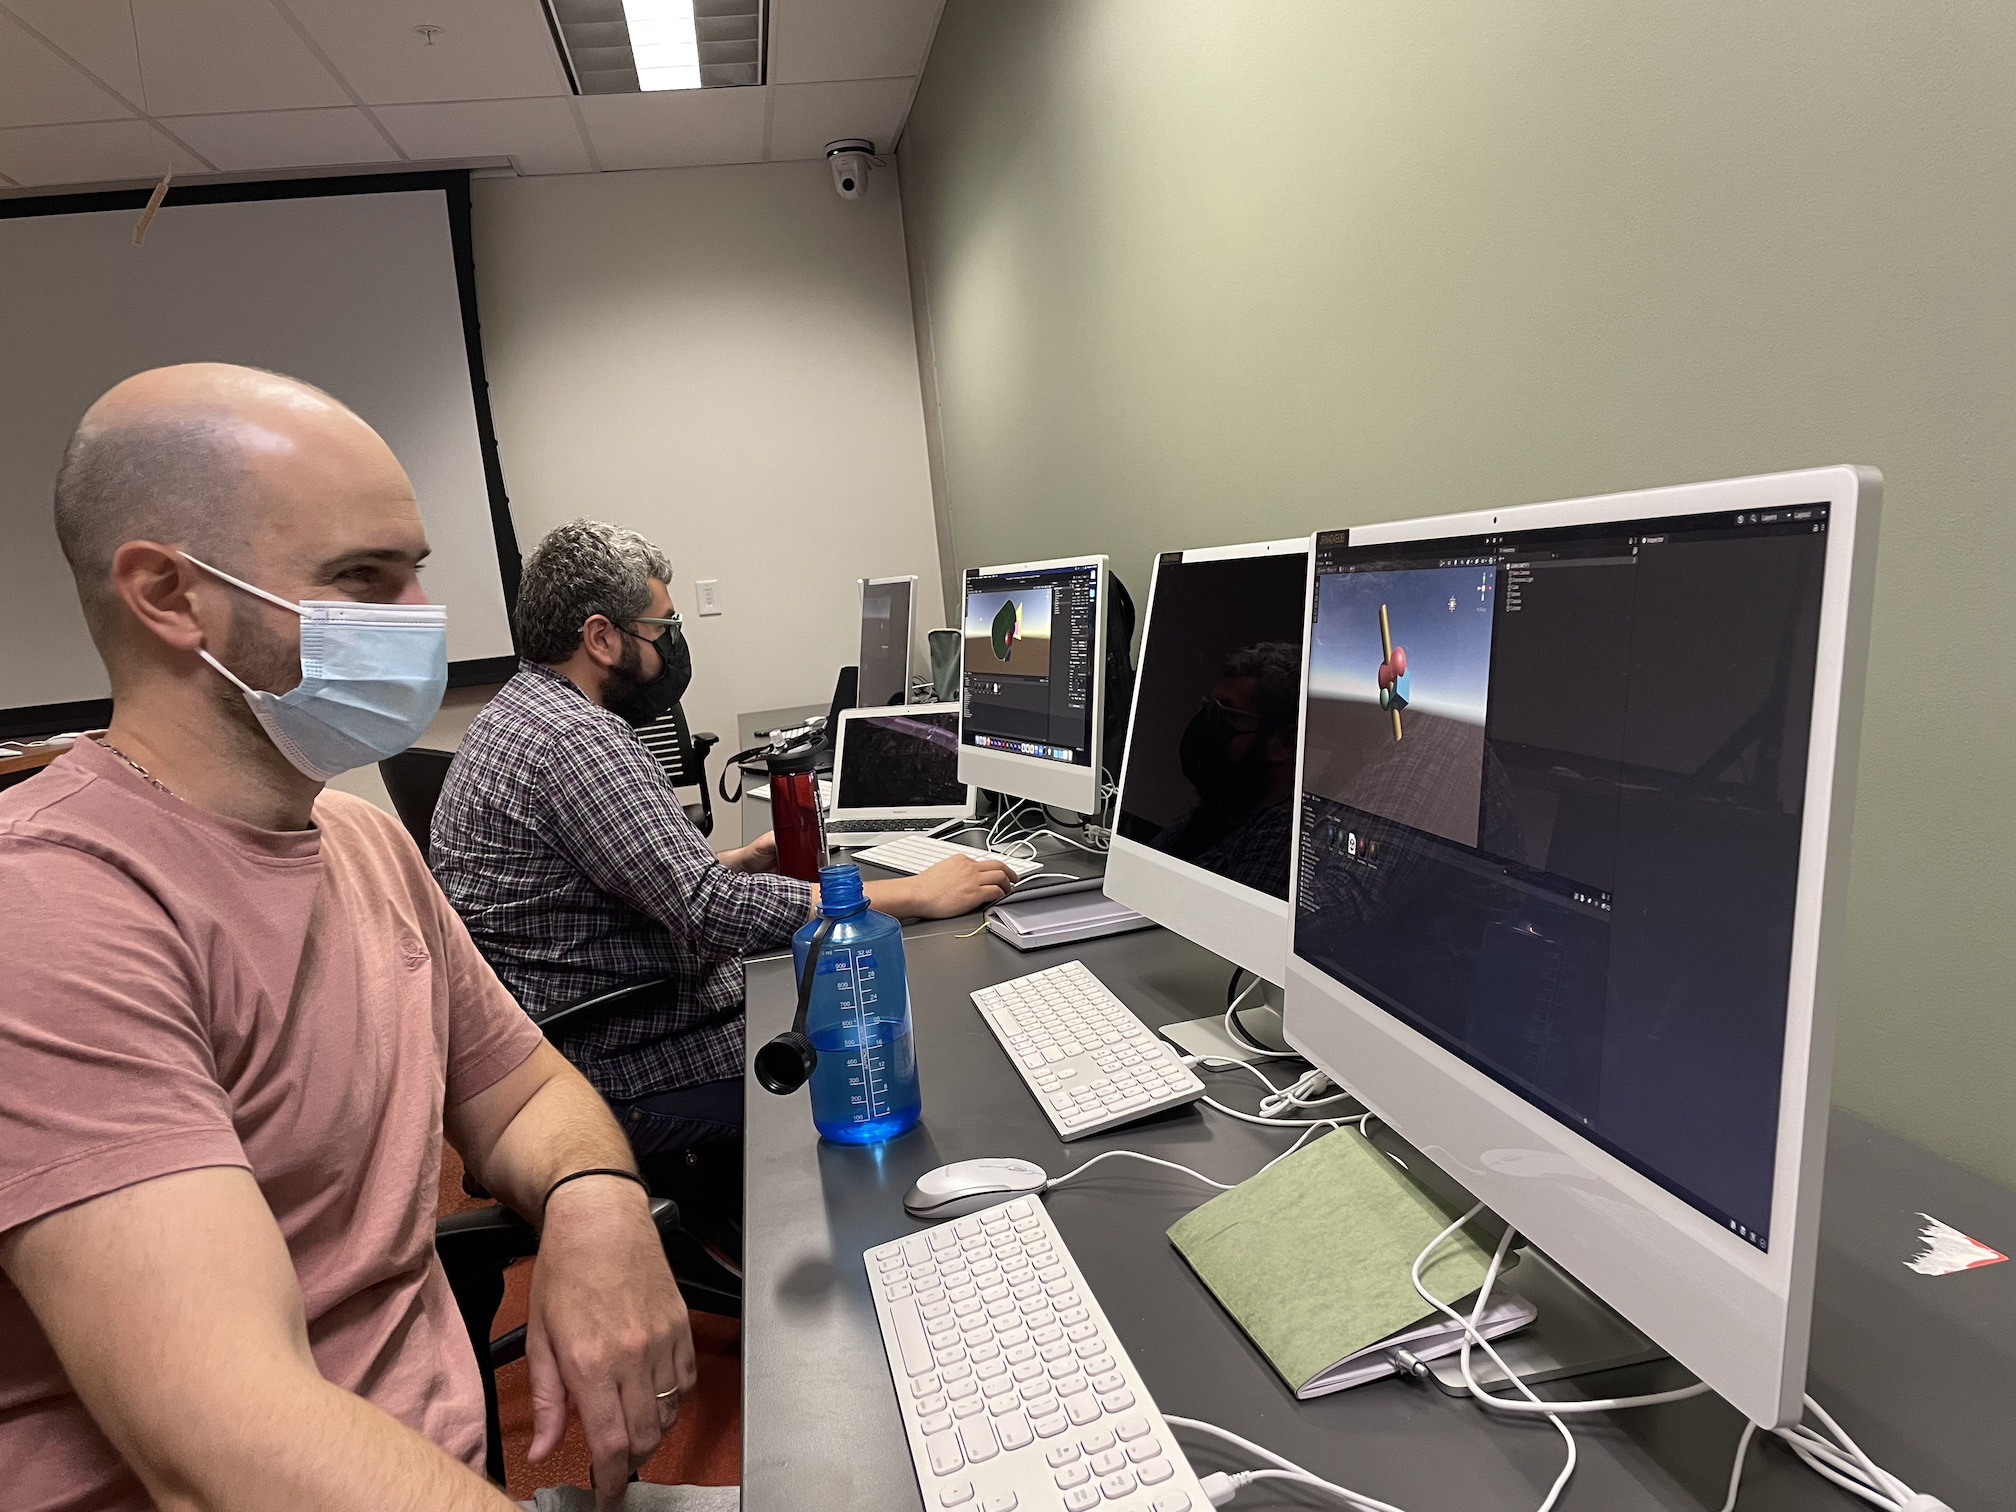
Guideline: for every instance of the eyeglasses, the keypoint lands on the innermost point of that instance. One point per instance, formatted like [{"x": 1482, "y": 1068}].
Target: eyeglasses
[
  {"x": 672, "y": 621},
  {"x": 1243, "y": 720}
]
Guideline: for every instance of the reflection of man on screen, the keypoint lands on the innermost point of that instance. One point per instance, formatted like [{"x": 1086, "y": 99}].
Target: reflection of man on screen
[{"x": 1238, "y": 752}]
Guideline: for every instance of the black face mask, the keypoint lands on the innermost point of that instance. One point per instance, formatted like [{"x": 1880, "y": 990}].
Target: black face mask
[
  {"x": 1221, "y": 779},
  {"x": 638, "y": 702}
]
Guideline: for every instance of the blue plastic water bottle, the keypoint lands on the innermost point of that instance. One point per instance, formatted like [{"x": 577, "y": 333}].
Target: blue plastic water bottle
[{"x": 864, "y": 1086}]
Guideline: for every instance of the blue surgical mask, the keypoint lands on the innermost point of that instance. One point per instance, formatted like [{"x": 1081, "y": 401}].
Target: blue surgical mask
[{"x": 372, "y": 676}]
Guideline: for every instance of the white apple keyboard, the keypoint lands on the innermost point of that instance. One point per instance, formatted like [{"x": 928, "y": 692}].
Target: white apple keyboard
[
  {"x": 917, "y": 853},
  {"x": 1016, "y": 1395},
  {"x": 1088, "y": 1061}
]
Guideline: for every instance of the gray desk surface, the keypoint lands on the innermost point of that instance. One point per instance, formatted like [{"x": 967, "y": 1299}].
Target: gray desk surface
[{"x": 1918, "y": 1368}]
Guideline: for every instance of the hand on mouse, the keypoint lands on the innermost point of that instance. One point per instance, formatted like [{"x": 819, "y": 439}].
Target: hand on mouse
[{"x": 956, "y": 885}]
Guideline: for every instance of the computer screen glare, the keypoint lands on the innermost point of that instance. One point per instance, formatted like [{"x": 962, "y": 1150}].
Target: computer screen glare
[
  {"x": 901, "y": 761},
  {"x": 885, "y": 642}
]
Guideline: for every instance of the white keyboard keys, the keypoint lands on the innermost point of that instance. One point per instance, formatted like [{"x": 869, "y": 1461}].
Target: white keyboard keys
[
  {"x": 1045, "y": 1410},
  {"x": 1089, "y": 1063},
  {"x": 918, "y": 853}
]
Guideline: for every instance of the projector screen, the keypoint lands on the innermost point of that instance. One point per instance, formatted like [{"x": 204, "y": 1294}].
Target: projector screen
[{"x": 359, "y": 286}]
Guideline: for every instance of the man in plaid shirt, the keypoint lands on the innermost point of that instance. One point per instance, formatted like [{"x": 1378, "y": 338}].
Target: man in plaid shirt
[{"x": 566, "y": 851}]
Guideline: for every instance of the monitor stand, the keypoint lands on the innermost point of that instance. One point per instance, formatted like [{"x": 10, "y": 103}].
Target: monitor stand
[
  {"x": 1576, "y": 1333},
  {"x": 1259, "y": 1016}
]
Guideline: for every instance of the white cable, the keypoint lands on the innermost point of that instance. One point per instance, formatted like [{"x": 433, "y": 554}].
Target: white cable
[
  {"x": 1275, "y": 1123},
  {"x": 1351, "y": 1498},
  {"x": 1736, "y": 1470},
  {"x": 1057, "y": 1181},
  {"x": 1226, "y": 1063},
  {"x": 1533, "y": 1405},
  {"x": 1470, "y": 1331}
]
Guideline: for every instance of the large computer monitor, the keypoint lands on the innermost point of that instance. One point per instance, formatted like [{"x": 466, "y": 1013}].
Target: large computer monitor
[
  {"x": 885, "y": 641},
  {"x": 1575, "y": 796},
  {"x": 1033, "y": 693},
  {"x": 1206, "y": 827}
]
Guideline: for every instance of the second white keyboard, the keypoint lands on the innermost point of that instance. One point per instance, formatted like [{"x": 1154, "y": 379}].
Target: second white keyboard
[
  {"x": 917, "y": 853},
  {"x": 1089, "y": 1062},
  {"x": 1016, "y": 1395}
]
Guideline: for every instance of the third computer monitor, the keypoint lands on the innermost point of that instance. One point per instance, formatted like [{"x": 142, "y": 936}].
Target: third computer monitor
[
  {"x": 1207, "y": 793},
  {"x": 1033, "y": 693},
  {"x": 885, "y": 641},
  {"x": 1575, "y": 796}
]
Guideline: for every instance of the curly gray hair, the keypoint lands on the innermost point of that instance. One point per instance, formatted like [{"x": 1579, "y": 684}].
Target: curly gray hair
[{"x": 580, "y": 569}]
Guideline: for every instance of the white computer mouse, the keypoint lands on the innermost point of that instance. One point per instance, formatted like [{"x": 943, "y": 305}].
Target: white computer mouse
[{"x": 966, "y": 1186}]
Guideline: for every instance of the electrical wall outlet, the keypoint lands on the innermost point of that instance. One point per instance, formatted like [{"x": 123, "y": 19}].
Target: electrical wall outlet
[{"x": 708, "y": 592}]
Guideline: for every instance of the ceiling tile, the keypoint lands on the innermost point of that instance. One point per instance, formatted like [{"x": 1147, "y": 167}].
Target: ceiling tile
[
  {"x": 808, "y": 116},
  {"x": 98, "y": 34},
  {"x": 676, "y": 128},
  {"x": 539, "y": 136},
  {"x": 38, "y": 88},
  {"x": 90, "y": 153},
  {"x": 199, "y": 56},
  {"x": 485, "y": 49},
  {"x": 816, "y": 40},
  {"x": 283, "y": 138}
]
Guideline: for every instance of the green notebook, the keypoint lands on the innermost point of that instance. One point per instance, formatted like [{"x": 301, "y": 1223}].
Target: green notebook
[{"x": 1311, "y": 1257}]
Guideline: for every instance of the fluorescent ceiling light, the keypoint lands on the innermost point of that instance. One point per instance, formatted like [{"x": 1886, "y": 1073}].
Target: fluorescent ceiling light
[{"x": 663, "y": 42}]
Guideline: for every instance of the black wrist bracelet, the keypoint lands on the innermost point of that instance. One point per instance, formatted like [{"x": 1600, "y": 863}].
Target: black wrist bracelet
[{"x": 597, "y": 1171}]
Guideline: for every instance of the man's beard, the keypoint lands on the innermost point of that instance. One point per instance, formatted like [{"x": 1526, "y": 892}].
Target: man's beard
[
  {"x": 263, "y": 658},
  {"x": 622, "y": 687}
]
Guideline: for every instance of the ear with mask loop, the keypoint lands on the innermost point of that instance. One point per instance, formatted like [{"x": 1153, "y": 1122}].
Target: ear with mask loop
[{"x": 785, "y": 1064}]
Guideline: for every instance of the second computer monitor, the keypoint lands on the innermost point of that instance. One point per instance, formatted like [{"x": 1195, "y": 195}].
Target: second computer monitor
[
  {"x": 885, "y": 641},
  {"x": 1033, "y": 694},
  {"x": 1206, "y": 826}
]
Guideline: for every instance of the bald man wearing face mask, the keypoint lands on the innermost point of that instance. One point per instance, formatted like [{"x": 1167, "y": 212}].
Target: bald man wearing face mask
[{"x": 240, "y": 1018}]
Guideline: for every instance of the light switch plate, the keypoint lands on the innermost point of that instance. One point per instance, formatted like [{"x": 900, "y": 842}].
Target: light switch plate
[{"x": 708, "y": 592}]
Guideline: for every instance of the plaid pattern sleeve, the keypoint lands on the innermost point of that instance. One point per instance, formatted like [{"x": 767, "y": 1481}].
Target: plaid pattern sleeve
[{"x": 567, "y": 853}]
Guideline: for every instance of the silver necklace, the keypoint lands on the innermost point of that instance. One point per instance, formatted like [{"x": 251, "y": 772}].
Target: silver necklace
[{"x": 132, "y": 763}]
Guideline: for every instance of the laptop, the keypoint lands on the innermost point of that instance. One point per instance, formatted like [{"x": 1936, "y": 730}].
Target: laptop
[{"x": 896, "y": 773}]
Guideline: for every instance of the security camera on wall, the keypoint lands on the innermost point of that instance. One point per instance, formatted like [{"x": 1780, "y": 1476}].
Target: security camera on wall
[{"x": 851, "y": 158}]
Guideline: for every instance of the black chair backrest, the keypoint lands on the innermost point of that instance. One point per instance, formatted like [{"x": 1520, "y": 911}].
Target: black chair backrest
[
  {"x": 671, "y": 742},
  {"x": 413, "y": 779}
]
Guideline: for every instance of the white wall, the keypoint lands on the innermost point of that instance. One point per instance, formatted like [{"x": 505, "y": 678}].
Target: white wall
[{"x": 723, "y": 359}]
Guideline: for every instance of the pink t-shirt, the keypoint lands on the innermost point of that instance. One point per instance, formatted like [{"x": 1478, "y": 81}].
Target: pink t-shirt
[{"x": 182, "y": 991}]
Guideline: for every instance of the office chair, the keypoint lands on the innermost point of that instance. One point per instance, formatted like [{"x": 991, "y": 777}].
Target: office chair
[
  {"x": 413, "y": 778},
  {"x": 704, "y": 1184},
  {"x": 683, "y": 755},
  {"x": 476, "y": 1248}
]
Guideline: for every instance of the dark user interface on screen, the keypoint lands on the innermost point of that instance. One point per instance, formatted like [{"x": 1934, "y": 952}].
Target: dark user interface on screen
[
  {"x": 1552, "y": 793},
  {"x": 1029, "y": 662},
  {"x": 901, "y": 761},
  {"x": 1211, "y": 758}
]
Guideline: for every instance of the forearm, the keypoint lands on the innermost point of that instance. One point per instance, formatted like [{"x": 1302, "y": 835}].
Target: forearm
[
  {"x": 302, "y": 1444},
  {"x": 898, "y": 897},
  {"x": 563, "y": 1127}
]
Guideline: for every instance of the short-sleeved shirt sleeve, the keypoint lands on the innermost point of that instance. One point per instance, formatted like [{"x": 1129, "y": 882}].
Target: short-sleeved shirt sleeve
[{"x": 110, "y": 1075}]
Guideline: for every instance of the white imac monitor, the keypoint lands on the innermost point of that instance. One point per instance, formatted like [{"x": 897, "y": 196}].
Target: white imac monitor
[
  {"x": 885, "y": 641},
  {"x": 1033, "y": 689},
  {"x": 1576, "y": 789},
  {"x": 1207, "y": 791}
]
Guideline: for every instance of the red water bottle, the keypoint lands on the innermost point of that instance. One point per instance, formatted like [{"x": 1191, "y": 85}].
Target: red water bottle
[{"x": 795, "y": 815}]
